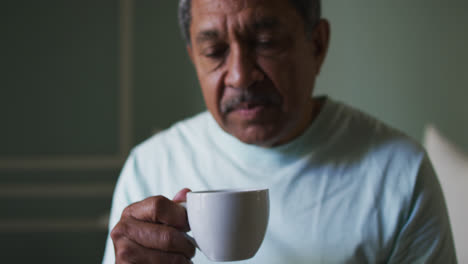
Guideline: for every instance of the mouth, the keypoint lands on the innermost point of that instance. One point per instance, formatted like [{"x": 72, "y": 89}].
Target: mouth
[
  {"x": 250, "y": 105},
  {"x": 250, "y": 110}
]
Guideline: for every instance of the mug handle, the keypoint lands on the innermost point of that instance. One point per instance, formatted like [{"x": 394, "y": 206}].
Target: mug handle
[{"x": 190, "y": 238}]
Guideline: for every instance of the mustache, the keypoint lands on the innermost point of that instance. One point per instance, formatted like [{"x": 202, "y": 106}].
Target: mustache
[{"x": 250, "y": 97}]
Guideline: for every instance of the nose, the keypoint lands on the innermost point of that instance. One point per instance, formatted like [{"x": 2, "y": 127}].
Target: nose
[{"x": 242, "y": 68}]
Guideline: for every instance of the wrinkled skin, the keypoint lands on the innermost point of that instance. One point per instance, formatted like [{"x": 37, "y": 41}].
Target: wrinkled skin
[
  {"x": 152, "y": 231},
  {"x": 257, "y": 67}
]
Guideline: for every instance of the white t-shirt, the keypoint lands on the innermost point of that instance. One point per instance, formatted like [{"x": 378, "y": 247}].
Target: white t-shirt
[{"x": 348, "y": 190}]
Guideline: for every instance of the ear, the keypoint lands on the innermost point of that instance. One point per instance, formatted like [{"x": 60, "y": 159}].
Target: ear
[
  {"x": 190, "y": 53},
  {"x": 320, "y": 42}
]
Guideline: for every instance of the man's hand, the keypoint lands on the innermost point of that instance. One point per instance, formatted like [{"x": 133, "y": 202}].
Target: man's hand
[{"x": 152, "y": 231}]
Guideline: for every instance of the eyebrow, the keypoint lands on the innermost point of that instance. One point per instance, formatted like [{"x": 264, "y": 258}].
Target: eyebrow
[
  {"x": 207, "y": 35},
  {"x": 267, "y": 23}
]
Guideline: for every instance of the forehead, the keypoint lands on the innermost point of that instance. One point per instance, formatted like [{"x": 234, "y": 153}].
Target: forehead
[
  {"x": 216, "y": 13},
  {"x": 227, "y": 6}
]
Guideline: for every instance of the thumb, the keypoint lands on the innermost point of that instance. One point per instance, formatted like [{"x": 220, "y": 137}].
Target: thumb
[{"x": 181, "y": 196}]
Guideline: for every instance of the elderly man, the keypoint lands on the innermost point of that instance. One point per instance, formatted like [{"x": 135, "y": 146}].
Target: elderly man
[{"x": 344, "y": 188}]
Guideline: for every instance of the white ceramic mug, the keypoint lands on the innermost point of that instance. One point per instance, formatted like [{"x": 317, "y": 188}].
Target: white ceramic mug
[{"x": 228, "y": 225}]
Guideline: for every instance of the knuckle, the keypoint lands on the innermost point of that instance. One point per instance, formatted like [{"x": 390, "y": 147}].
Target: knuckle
[
  {"x": 120, "y": 230},
  {"x": 127, "y": 211},
  {"x": 124, "y": 252},
  {"x": 167, "y": 239},
  {"x": 116, "y": 232},
  {"x": 157, "y": 205},
  {"x": 159, "y": 201}
]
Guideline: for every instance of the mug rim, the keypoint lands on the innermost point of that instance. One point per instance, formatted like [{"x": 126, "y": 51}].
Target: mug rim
[{"x": 228, "y": 191}]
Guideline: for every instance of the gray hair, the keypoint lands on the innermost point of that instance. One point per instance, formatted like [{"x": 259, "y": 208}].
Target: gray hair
[{"x": 310, "y": 11}]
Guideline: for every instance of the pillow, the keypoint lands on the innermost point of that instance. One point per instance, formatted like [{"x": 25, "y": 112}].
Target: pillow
[{"x": 451, "y": 166}]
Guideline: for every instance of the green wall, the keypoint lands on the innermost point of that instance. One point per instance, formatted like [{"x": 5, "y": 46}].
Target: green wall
[
  {"x": 59, "y": 112},
  {"x": 165, "y": 85},
  {"x": 59, "y": 71},
  {"x": 405, "y": 62}
]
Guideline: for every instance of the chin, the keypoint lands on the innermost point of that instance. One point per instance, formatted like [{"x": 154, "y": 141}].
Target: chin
[{"x": 260, "y": 136}]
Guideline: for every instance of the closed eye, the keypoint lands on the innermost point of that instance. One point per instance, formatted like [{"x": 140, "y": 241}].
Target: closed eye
[
  {"x": 216, "y": 52},
  {"x": 265, "y": 43}
]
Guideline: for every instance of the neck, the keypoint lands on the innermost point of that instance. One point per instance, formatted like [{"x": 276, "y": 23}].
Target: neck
[{"x": 313, "y": 109}]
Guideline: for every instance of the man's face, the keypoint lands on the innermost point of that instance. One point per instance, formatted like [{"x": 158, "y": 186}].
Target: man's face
[{"x": 256, "y": 66}]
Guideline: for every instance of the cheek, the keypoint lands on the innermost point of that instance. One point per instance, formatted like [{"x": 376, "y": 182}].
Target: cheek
[
  {"x": 285, "y": 78},
  {"x": 211, "y": 85}
]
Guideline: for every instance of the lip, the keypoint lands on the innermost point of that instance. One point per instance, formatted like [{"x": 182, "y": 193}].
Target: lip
[{"x": 250, "y": 112}]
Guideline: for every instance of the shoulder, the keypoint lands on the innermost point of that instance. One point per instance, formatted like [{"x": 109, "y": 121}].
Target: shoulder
[
  {"x": 361, "y": 130},
  {"x": 182, "y": 133},
  {"x": 153, "y": 164},
  {"x": 177, "y": 142},
  {"x": 384, "y": 154}
]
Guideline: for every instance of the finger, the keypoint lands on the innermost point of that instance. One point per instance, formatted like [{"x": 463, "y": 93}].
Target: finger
[
  {"x": 127, "y": 251},
  {"x": 159, "y": 209},
  {"x": 181, "y": 196},
  {"x": 162, "y": 237},
  {"x": 154, "y": 236}
]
